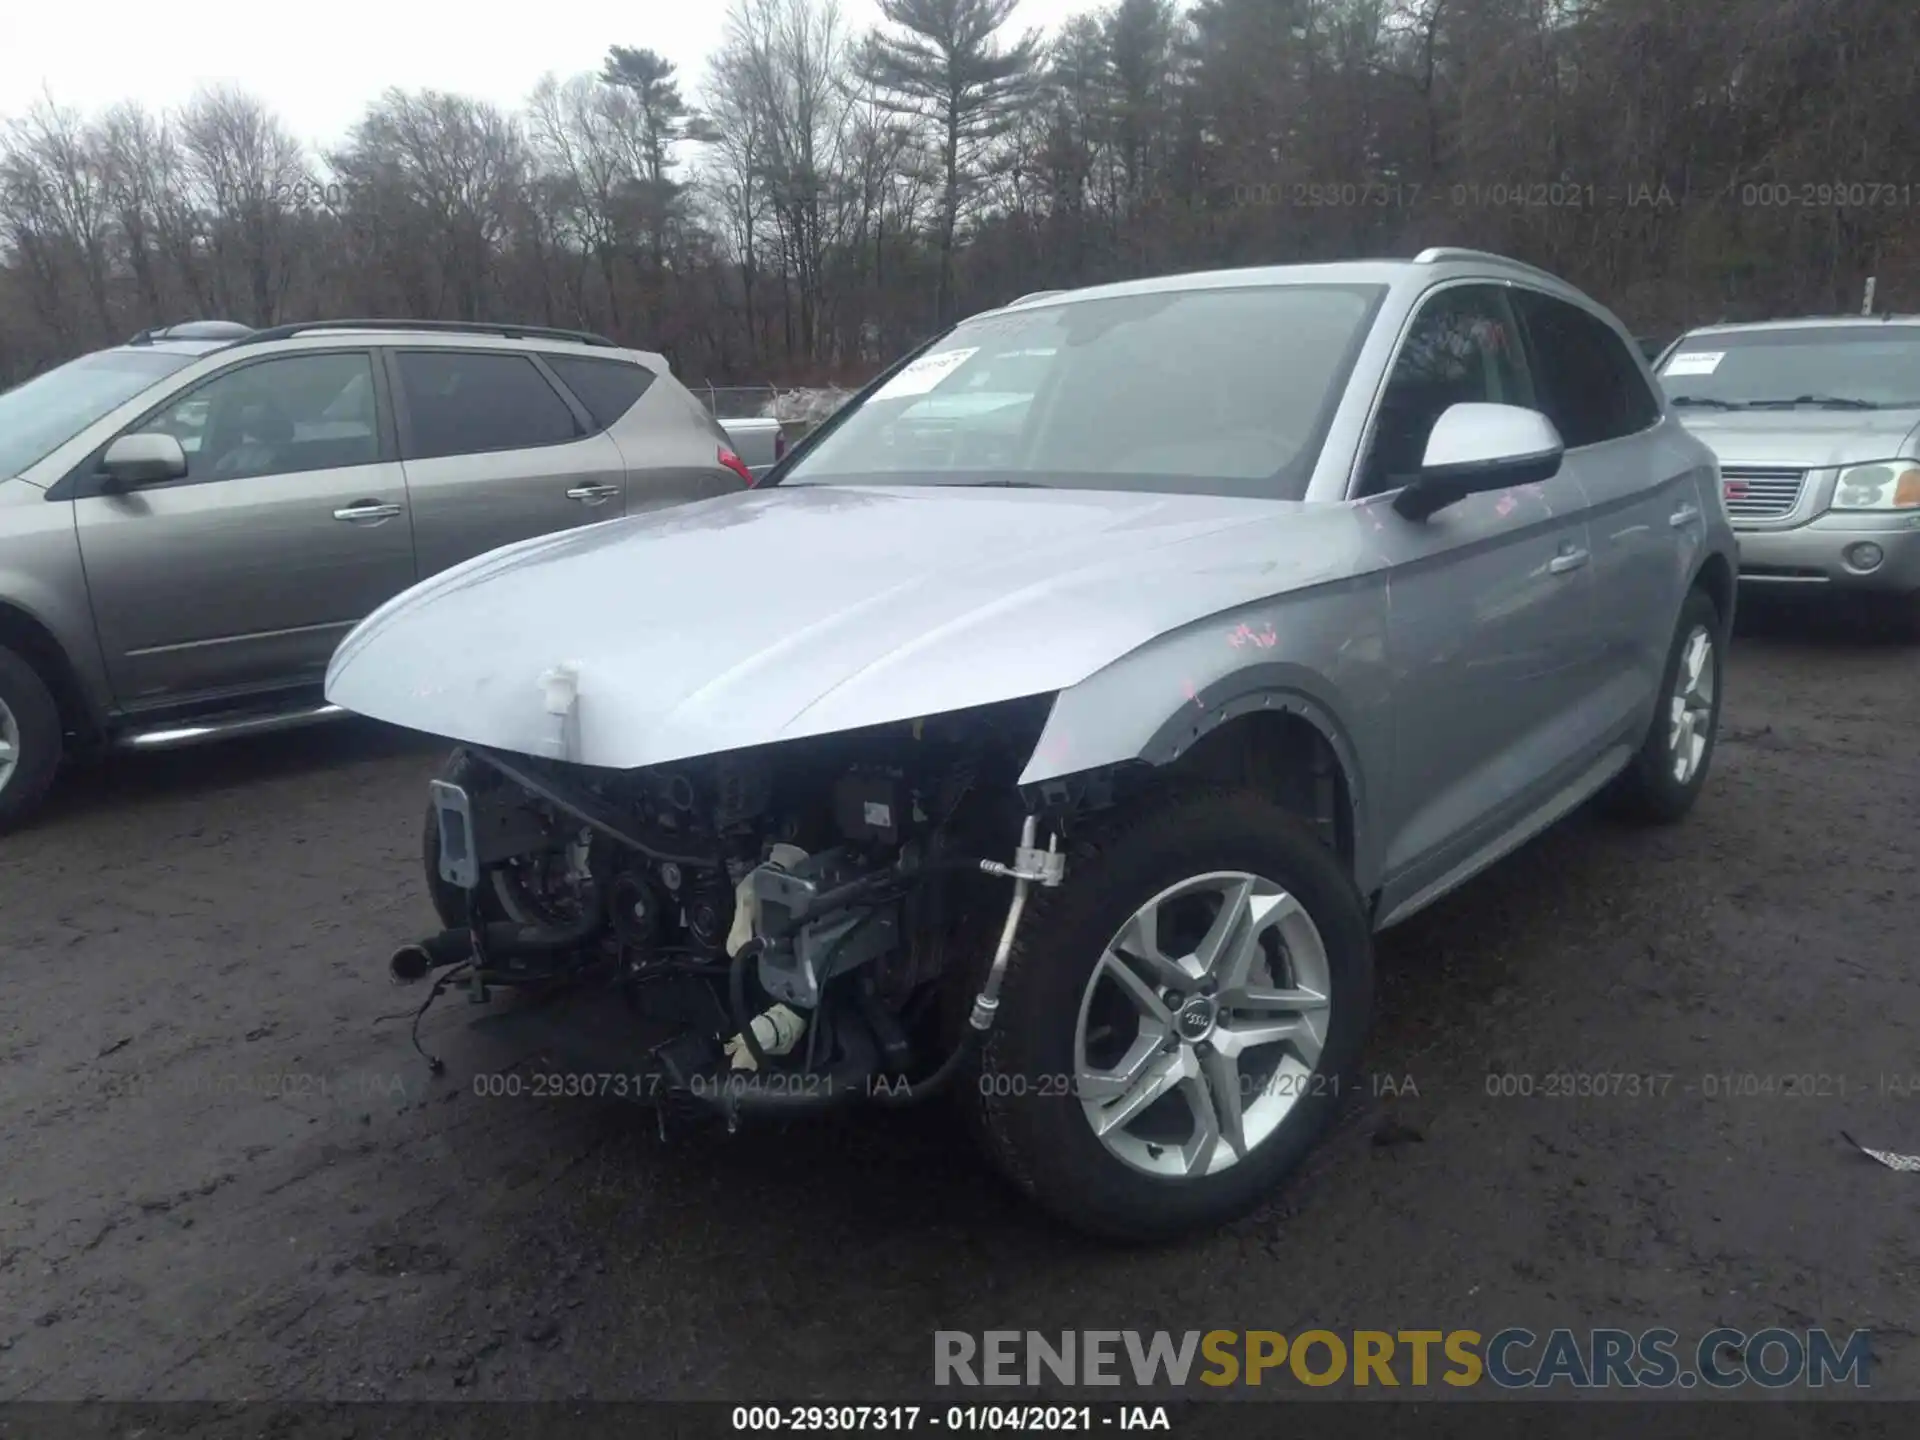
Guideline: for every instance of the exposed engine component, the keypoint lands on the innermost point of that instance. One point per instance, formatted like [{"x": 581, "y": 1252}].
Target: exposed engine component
[
  {"x": 870, "y": 805},
  {"x": 803, "y": 900},
  {"x": 778, "y": 1030},
  {"x": 634, "y": 909},
  {"x": 706, "y": 909}
]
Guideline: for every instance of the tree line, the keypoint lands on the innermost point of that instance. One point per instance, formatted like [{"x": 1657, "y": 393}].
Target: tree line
[{"x": 821, "y": 198}]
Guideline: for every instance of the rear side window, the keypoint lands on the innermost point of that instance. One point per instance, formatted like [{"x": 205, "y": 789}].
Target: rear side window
[
  {"x": 1590, "y": 383},
  {"x": 470, "y": 402},
  {"x": 607, "y": 388}
]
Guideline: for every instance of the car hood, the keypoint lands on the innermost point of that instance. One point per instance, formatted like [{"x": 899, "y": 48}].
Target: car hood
[
  {"x": 1803, "y": 439},
  {"x": 774, "y": 614}
]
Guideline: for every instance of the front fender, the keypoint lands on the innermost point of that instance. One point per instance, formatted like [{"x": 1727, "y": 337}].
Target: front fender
[
  {"x": 42, "y": 578},
  {"x": 1320, "y": 655}
]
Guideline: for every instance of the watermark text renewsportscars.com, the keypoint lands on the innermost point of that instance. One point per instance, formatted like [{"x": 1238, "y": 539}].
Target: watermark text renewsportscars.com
[{"x": 1515, "y": 1358}]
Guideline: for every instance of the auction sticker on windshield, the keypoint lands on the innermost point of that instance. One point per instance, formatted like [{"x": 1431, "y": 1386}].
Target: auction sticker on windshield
[
  {"x": 1700, "y": 362},
  {"x": 925, "y": 373}
]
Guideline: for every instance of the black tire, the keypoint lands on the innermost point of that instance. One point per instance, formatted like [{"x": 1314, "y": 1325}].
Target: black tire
[
  {"x": 41, "y": 739},
  {"x": 1034, "y": 1127},
  {"x": 1899, "y": 617},
  {"x": 1647, "y": 791}
]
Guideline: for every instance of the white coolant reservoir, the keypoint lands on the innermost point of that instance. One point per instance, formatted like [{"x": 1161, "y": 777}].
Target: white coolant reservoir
[{"x": 561, "y": 688}]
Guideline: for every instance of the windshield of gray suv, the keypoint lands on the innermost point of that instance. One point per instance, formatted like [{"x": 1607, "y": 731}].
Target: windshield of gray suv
[
  {"x": 1205, "y": 391},
  {"x": 40, "y": 415},
  {"x": 1830, "y": 367}
]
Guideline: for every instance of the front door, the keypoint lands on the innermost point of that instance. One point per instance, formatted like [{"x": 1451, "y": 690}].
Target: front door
[
  {"x": 1490, "y": 607},
  {"x": 289, "y": 528}
]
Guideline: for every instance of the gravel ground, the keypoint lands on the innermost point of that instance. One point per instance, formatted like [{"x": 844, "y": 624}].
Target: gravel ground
[{"x": 183, "y": 927}]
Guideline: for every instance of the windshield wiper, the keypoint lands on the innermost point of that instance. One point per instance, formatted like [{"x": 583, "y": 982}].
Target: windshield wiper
[
  {"x": 1825, "y": 402},
  {"x": 1708, "y": 401}
]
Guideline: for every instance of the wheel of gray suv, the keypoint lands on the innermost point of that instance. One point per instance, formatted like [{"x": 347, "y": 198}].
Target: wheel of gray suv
[
  {"x": 1666, "y": 776},
  {"x": 31, "y": 739},
  {"x": 1179, "y": 1019}
]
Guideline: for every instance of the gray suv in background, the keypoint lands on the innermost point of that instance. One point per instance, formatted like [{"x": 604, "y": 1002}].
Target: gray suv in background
[
  {"x": 1817, "y": 426},
  {"x": 190, "y": 522}
]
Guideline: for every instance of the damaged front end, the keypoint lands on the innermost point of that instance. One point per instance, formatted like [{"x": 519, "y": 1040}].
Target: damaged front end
[{"x": 788, "y": 926}]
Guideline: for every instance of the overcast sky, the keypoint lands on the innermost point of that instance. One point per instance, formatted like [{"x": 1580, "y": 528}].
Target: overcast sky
[{"x": 319, "y": 64}]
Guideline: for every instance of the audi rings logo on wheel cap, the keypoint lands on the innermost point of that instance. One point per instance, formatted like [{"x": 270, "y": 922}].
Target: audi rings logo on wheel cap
[{"x": 1195, "y": 1020}]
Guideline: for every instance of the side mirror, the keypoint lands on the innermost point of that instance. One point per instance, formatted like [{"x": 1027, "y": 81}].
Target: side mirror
[
  {"x": 1479, "y": 447},
  {"x": 145, "y": 459}
]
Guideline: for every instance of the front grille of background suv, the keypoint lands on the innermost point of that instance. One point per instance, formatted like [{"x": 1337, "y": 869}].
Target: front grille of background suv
[{"x": 1758, "y": 492}]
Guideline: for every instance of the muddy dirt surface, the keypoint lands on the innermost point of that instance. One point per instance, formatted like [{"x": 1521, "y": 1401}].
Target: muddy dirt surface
[{"x": 223, "y": 1175}]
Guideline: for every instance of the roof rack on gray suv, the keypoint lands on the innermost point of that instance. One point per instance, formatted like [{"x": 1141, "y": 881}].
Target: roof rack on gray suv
[{"x": 441, "y": 327}]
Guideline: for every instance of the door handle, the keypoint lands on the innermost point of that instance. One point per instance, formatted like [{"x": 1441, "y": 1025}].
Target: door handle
[
  {"x": 1685, "y": 515},
  {"x": 366, "y": 510},
  {"x": 1569, "y": 558},
  {"x": 593, "y": 494}
]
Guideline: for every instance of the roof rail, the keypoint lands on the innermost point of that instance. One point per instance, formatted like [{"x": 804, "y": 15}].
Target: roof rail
[
  {"x": 1439, "y": 254},
  {"x": 1033, "y": 295},
  {"x": 432, "y": 327}
]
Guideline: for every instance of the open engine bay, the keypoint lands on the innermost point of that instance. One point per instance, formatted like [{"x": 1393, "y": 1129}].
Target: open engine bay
[{"x": 813, "y": 921}]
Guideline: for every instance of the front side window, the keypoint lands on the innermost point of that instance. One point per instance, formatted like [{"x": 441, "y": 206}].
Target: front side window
[
  {"x": 1217, "y": 391},
  {"x": 1839, "y": 367},
  {"x": 470, "y": 402},
  {"x": 1592, "y": 386},
  {"x": 277, "y": 417},
  {"x": 1462, "y": 348},
  {"x": 40, "y": 415}
]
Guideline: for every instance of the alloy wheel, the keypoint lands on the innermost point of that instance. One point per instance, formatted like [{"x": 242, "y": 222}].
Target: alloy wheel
[
  {"x": 1690, "y": 709},
  {"x": 1202, "y": 1024},
  {"x": 9, "y": 744}
]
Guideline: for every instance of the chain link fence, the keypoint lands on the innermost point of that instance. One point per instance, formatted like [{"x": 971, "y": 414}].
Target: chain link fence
[{"x": 798, "y": 407}]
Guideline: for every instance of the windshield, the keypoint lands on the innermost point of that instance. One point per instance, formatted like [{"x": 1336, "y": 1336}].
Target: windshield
[
  {"x": 38, "y": 417},
  {"x": 1223, "y": 392},
  {"x": 1838, "y": 366}
]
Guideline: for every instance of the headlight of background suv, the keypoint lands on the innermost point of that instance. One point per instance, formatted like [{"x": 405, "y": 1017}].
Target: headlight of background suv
[{"x": 1884, "y": 485}]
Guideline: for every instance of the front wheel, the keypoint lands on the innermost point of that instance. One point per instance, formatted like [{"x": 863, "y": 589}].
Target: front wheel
[
  {"x": 31, "y": 739},
  {"x": 1179, "y": 1020},
  {"x": 1663, "y": 780}
]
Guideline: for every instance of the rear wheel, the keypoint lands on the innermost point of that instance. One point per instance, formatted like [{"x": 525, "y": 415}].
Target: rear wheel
[
  {"x": 1179, "y": 1020},
  {"x": 31, "y": 739},
  {"x": 1666, "y": 776}
]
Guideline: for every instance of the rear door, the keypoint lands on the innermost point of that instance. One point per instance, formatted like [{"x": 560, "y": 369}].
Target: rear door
[
  {"x": 1646, "y": 521},
  {"x": 1490, "y": 605},
  {"x": 670, "y": 442},
  {"x": 495, "y": 452},
  {"x": 289, "y": 527}
]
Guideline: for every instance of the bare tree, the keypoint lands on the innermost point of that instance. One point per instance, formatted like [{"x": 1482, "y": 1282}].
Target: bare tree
[
  {"x": 250, "y": 174},
  {"x": 452, "y": 166},
  {"x": 1695, "y": 162},
  {"x": 62, "y": 197}
]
